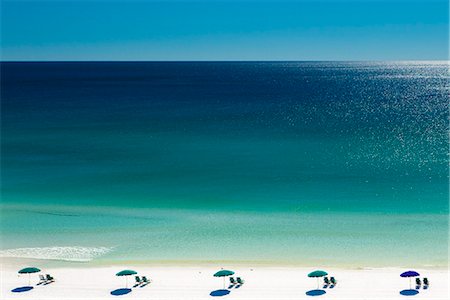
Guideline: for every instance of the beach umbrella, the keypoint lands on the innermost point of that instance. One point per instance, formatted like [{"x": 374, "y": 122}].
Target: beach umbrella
[
  {"x": 126, "y": 273},
  {"x": 223, "y": 273},
  {"x": 409, "y": 274},
  {"x": 29, "y": 270},
  {"x": 317, "y": 274}
]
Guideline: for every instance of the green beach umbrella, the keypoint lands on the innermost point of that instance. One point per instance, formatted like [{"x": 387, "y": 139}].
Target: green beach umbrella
[
  {"x": 223, "y": 273},
  {"x": 126, "y": 273},
  {"x": 29, "y": 270},
  {"x": 317, "y": 274}
]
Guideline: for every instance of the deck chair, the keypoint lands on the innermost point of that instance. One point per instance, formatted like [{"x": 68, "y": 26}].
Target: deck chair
[
  {"x": 49, "y": 278},
  {"x": 41, "y": 279},
  {"x": 418, "y": 282},
  {"x": 145, "y": 280}
]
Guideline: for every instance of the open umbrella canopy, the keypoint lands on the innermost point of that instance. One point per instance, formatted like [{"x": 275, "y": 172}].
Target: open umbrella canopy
[
  {"x": 409, "y": 274},
  {"x": 223, "y": 273},
  {"x": 126, "y": 273},
  {"x": 29, "y": 270},
  {"x": 318, "y": 273}
]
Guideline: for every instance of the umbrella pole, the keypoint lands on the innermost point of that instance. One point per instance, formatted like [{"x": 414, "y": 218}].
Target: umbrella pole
[
  {"x": 317, "y": 282},
  {"x": 126, "y": 281},
  {"x": 409, "y": 282},
  {"x": 223, "y": 282},
  {"x": 29, "y": 279}
]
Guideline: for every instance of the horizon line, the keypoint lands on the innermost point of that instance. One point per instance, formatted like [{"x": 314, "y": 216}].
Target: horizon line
[{"x": 217, "y": 61}]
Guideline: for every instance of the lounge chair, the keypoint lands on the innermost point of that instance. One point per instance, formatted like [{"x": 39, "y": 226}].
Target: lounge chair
[
  {"x": 326, "y": 281},
  {"x": 49, "y": 278},
  {"x": 239, "y": 280},
  {"x": 138, "y": 280},
  {"x": 145, "y": 280},
  {"x": 232, "y": 281},
  {"x": 333, "y": 280},
  {"x": 425, "y": 281},
  {"x": 41, "y": 279},
  {"x": 418, "y": 282}
]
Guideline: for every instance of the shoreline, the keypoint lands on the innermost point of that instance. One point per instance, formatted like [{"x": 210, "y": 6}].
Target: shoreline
[{"x": 16, "y": 262}]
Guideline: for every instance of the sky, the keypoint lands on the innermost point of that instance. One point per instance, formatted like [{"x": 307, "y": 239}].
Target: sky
[{"x": 151, "y": 30}]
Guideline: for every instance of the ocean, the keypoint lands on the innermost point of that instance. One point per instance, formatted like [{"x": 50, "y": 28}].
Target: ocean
[{"x": 296, "y": 163}]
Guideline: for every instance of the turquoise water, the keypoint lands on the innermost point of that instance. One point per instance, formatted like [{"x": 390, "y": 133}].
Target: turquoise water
[{"x": 294, "y": 163}]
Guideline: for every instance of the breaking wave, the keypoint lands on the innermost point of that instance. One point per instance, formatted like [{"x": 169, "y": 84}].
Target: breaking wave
[{"x": 78, "y": 254}]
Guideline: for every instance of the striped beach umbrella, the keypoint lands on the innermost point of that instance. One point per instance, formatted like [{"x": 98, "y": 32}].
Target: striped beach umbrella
[
  {"x": 126, "y": 273},
  {"x": 223, "y": 273},
  {"x": 29, "y": 270}
]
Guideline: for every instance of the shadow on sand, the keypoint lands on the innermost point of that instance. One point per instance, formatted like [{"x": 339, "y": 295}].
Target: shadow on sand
[
  {"x": 409, "y": 292},
  {"x": 219, "y": 293},
  {"x": 315, "y": 292},
  {"x": 22, "y": 289},
  {"x": 120, "y": 292}
]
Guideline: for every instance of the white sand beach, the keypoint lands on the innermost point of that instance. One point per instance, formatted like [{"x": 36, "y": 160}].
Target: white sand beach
[{"x": 191, "y": 282}]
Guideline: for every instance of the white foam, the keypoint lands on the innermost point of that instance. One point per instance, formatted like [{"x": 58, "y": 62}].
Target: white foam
[{"x": 79, "y": 254}]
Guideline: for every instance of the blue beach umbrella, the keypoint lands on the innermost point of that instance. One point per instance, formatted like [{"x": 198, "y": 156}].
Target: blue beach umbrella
[
  {"x": 29, "y": 270},
  {"x": 409, "y": 274},
  {"x": 126, "y": 273},
  {"x": 223, "y": 273}
]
